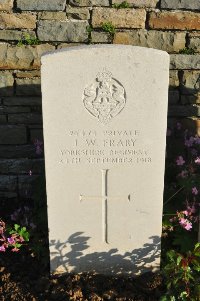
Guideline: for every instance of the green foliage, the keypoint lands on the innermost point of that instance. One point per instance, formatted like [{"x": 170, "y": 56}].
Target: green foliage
[
  {"x": 21, "y": 231},
  {"x": 108, "y": 27},
  {"x": 182, "y": 276},
  {"x": 27, "y": 39},
  {"x": 187, "y": 50},
  {"x": 123, "y": 4},
  {"x": 89, "y": 29},
  {"x": 181, "y": 264},
  {"x": 180, "y": 198}
]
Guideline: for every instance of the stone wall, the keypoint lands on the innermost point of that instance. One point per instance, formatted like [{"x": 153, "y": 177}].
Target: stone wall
[{"x": 29, "y": 28}]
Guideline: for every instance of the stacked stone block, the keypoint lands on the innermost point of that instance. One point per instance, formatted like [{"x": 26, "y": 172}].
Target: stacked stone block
[{"x": 30, "y": 28}]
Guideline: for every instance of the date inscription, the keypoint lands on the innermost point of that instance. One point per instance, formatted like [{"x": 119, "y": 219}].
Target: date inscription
[{"x": 105, "y": 147}]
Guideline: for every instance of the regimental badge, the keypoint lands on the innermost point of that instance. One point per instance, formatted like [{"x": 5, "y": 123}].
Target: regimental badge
[{"x": 105, "y": 98}]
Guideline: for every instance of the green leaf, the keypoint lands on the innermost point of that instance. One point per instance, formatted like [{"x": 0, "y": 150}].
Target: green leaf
[
  {"x": 190, "y": 277},
  {"x": 171, "y": 255},
  {"x": 179, "y": 258},
  {"x": 164, "y": 298},
  {"x": 26, "y": 236},
  {"x": 17, "y": 245},
  {"x": 16, "y": 227}
]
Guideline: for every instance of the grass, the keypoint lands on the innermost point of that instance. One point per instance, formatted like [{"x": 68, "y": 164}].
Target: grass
[
  {"x": 123, "y": 4},
  {"x": 108, "y": 27},
  {"x": 27, "y": 39},
  {"x": 187, "y": 50}
]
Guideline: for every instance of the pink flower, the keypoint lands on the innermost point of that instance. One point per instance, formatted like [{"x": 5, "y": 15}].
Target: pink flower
[
  {"x": 30, "y": 173},
  {"x": 180, "y": 161},
  {"x": 194, "y": 151},
  {"x": 189, "y": 142},
  {"x": 182, "y": 221},
  {"x": 11, "y": 240},
  {"x": 21, "y": 239},
  {"x": 183, "y": 174},
  {"x": 15, "y": 250},
  {"x": 195, "y": 191},
  {"x": 38, "y": 144},
  {"x": 197, "y": 160},
  {"x": 2, "y": 249},
  {"x": 191, "y": 210},
  {"x": 185, "y": 223},
  {"x": 197, "y": 140},
  {"x": 188, "y": 226}
]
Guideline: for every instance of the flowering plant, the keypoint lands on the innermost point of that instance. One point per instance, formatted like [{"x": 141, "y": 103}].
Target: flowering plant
[
  {"x": 181, "y": 260},
  {"x": 12, "y": 238},
  {"x": 182, "y": 275},
  {"x": 182, "y": 188}
]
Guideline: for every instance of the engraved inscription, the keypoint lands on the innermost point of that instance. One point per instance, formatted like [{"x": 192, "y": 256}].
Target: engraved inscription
[
  {"x": 105, "y": 147},
  {"x": 104, "y": 198},
  {"x": 105, "y": 97}
]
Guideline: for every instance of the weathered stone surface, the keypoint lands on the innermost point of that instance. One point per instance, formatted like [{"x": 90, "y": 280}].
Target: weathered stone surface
[
  {"x": 174, "y": 20},
  {"x": 190, "y": 82},
  {"x": 4, "y": 195},
  {"x": 89, "y": 2},
  {"x": 28, "y": 86},
  {"x": 36, "y": 134},
  {"x": 163, "y": 40},
  {"x": 3, "y": 119},
  {"x": 12, "y": 134},
  {"x": 77, "y": 13},
  {"x": 6, "y": 83},
  {"x": 122, "y": 18},
  {"x": 183, "y": 111},
  {"x": 173, "y": 78},
  {"x": 22, "y": 166},
  {"x": 13, "y": 35},
  {"x": 27, "y": 185},
  {"x": 18, "y": 151},
  {"x": 25, "y": 118},
  {"x": 27, "y": 74},
  {"x": 22, "y": 101},
  {"x": 8, "y": 183},
  {"x": 179, "y": 4},
  {"x": 67, "y": 45},
  {"x": 24, "y": 20},
  {"x": 69, "y": 31},
  {"x": 194, "y": 41},
  {"x": 6, "y": 5},
  {"x": 60, "y": 16},
  {"x": 101, "y": 37},
  {"x": 174, "y": 97},
  {"x": 138, "y": 3},
  {"x": 14, "y": 109},
  {"x": 25, "y": 57},
  {"x": 183, "y": 61},
  {"x": 190, "y": 99},
  {"x": 41, "y": 5}
]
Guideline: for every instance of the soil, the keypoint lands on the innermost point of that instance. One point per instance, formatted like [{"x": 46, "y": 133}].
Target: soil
[{"x": 24, "y": 277}]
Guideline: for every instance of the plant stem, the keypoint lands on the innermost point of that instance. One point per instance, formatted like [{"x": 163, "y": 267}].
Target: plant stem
[{"x": 167, "y": 201}]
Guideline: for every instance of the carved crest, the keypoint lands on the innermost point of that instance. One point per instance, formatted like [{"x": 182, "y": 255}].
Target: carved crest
[{"x": 105, "y": 97}]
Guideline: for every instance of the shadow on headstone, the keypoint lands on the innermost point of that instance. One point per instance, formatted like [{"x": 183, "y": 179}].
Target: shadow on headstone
[{"x": 71, "y": 253}]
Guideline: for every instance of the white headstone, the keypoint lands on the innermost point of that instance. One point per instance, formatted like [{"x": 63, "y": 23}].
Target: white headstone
[{"x": 105, "y": 116}]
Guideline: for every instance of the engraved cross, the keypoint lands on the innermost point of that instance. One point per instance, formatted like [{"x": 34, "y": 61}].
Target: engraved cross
[{"x": 104, "y": 198}]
